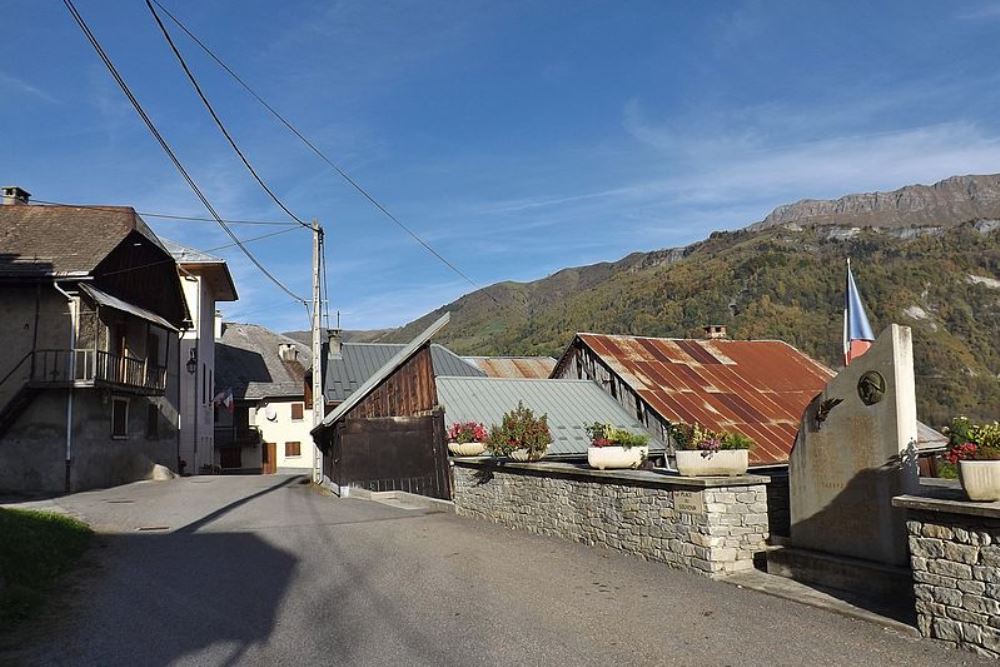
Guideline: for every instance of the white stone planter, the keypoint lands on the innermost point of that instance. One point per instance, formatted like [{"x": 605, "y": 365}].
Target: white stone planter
[
  {"x": 616, "y": 457},
  {"x": 523, "y": 455},
  {"x": 980, "y": 479},
  {"x": 466, "y": 448},
  {"x": 696, "y": 463}
]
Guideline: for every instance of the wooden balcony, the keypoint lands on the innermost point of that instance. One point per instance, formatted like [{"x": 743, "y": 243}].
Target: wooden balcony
[{"x": 96, "y": 368}]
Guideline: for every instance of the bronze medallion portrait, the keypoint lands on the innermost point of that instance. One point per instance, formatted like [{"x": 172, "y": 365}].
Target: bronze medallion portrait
[{"x": 871, "y": 388}]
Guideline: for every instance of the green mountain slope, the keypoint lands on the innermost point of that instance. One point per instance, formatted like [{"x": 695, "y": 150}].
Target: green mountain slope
[{"x": 782, "y": 282}]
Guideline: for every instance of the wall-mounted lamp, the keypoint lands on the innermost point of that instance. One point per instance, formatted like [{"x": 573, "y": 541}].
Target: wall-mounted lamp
[{"x": 192, "y": 363}]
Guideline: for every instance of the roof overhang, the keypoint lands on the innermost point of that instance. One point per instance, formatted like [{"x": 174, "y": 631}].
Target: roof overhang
[
  {"x": 381, "y": 374},
  {"x": 106, "y": 300},
  {"x": 217, "y": 275}
]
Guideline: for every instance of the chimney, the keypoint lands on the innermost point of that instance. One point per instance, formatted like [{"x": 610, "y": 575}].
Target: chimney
[
  {"x": 715, "y": 331},
  {"x": 14, "y": 196},
  {"x": 335, "y": 344},
  {"x": 220, "y": 326},
  {"x": 288, "y": 352}
]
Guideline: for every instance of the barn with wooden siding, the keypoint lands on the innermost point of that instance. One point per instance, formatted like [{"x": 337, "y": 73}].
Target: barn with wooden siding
[{"x": 389, "y": 434}]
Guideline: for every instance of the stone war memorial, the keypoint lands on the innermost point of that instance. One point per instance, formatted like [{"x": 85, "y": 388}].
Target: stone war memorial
[{"x": 855, "y": 451}]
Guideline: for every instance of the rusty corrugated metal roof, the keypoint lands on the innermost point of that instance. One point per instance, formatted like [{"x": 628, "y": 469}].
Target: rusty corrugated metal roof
[
  {"x": 759, "y": 388},
  {"x": 514, "y": 367}
]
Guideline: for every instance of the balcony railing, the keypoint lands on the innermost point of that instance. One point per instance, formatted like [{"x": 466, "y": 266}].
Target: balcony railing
[
  {"x": 96, "y": 367},
  {"x": 227, "y": 436}
]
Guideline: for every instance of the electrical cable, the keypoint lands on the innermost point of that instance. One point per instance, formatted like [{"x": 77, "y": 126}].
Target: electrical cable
[
  {"x": 347, "y": 177},
  {"x": 167, "y": 149},
  {"x": 215, "y": 117}
]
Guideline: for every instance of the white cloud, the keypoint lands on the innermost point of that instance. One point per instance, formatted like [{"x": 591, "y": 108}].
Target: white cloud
[{"x": 16, "y": 86}]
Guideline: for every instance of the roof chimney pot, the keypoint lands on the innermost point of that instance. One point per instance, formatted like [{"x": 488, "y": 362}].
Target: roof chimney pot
[
  {"x": 335, "y": 344},
  {"x": 12, "y": 195},
  {"x": 715, "y": 331}
]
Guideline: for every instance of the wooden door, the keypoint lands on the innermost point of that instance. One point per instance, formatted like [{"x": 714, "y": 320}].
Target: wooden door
[
  {"x": 269, "y": 463},
  {"x": 393, "y": 454}
]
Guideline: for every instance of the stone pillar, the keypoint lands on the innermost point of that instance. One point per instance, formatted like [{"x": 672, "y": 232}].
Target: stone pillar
[{"x": 855, "y": 451}]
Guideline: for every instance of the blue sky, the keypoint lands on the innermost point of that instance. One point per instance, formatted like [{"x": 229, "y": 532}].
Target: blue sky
[{"x": 517, "y": 137}]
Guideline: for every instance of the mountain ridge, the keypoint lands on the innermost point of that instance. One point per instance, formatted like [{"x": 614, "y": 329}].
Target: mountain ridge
[{"x": 782, "y": 278}]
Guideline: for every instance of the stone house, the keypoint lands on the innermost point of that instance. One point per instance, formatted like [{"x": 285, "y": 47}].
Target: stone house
[{"x": 90, "y": 309}]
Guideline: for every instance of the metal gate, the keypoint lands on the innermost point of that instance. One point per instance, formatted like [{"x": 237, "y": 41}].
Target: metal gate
[{"x": 392, "y": 454}]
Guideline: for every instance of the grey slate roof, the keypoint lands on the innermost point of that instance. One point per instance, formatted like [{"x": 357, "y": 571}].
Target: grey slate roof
[
  {"x": 359, "y": 361},
  {"x": 246, "y": 359},
  {"x": 63, "y": 240},
  {"x": 571, "y": 405},
  {"x": 184, "y": 254}
]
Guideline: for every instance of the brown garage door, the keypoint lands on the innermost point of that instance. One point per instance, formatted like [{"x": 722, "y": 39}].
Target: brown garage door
[{"x": 392, "y": 454}]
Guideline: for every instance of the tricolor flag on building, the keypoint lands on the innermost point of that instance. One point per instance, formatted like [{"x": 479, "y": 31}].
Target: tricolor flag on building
[
  {"x": 858, "y": 334},
  {"x": 225, "y": 399}
]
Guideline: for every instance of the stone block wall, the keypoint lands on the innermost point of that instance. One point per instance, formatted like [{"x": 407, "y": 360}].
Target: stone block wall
[
  {"x": 956, "y": 578},
  {"x": 713, "y": 528}
]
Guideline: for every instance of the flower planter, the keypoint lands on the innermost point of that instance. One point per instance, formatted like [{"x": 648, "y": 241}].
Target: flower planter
[
  {"x": 697, "y": 463},
  {"x": 616, "y": 457},
  {"x": 466, "y": 448},
  {"x": 523, "y": 455},
  {"x": 980, "y": 479}
]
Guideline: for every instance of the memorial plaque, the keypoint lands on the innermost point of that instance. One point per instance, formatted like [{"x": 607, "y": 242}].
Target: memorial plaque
[
  {"x": 843, "y": 476},
  {"x": 690, "y": 502}
]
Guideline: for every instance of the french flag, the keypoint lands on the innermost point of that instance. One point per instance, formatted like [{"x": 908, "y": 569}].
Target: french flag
[{"x": 858, "y": 334}]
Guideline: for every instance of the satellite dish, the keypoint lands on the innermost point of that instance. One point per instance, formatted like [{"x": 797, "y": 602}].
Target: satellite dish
[{"x": 270, "y": 413}]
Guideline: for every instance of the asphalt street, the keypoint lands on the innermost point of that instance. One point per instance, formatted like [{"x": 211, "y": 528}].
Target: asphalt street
[{"x": 268, "y": 571}]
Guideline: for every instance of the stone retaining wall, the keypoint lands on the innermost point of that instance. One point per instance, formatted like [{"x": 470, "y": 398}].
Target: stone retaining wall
[
  {"x": 955, "y": 557},
  {"x": 712, "y": 526}
]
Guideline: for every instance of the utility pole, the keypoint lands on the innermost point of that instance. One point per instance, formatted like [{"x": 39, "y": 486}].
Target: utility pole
[{"x": 319, "y": 400}]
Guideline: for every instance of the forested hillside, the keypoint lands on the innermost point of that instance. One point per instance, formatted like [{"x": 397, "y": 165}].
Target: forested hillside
[{"x": 784, "y": 282}]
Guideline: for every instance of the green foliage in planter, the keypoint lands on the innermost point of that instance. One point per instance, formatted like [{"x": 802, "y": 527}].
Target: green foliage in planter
[
  {"x": 973, "y": 442},
  {"x": 606, "y": 435},
  {"x": 519, "y": 429},
  {"x": 735, "y": 440}
]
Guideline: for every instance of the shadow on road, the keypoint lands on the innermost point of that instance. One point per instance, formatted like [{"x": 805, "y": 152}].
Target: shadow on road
[{"x": 153, "y": 599}]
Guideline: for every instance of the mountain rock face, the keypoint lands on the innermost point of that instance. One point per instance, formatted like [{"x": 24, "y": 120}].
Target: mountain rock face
[
  {"x": 924, "y": 256},
  {"x": 951, "y": 201}
]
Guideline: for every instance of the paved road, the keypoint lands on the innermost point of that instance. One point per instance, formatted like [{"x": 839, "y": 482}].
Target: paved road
[{"x": 266, "y": 571}]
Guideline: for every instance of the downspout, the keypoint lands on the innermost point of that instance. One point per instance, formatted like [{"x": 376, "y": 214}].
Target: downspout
[{"x": 72, "y": 379}]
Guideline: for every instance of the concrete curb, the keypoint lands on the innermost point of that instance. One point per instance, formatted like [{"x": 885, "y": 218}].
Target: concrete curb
[
  {"x": 404, "y": 500},
  {"x": 788, "y": 589}
]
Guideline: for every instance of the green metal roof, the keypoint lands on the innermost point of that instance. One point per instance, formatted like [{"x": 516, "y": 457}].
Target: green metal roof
[{"x": 571, "y": 406}]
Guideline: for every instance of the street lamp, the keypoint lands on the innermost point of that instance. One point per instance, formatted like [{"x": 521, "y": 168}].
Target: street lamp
[{"x": 192, "y": 363}]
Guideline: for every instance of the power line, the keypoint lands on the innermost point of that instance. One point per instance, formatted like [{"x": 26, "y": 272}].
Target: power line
[
  {"x": 170, "y": 216},
  {"x": 215, "y": 116},
  {"x": 167, "y": 149},
  {"x": 347, "y": 177},
  {"x": 215, "y": 249}
]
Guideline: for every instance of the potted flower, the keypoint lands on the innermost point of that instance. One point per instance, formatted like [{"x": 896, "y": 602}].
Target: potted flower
[
  {"x": 704, "y": 453},
  {"x": 467, "y": 438},
  {"x": 976, "y": 451},
  {"x": 521, "y": 435},
  {"x": 615, "y": 448}
]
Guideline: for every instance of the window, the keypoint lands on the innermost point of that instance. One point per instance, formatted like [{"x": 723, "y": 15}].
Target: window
[
  {"x": 204, "y": 377},
  {"x": 293, "y": 449},
  {"x": 298, "y": 409},
  {"x": 119, "y": 417},
  {"x": 152, "y": 421}
]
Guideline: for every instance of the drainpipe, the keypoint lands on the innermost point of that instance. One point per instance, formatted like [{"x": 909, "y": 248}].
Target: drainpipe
[{"x": 72, "y": 378}]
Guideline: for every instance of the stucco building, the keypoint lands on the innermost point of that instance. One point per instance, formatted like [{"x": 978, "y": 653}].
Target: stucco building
[
  {"x": 90, "y": 309},
  {"x": 206, "y": 281},
  {"x": 267, "y": 429}
]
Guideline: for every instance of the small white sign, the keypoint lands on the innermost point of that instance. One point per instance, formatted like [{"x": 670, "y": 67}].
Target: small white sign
[{"x": 691, "y": 502}]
